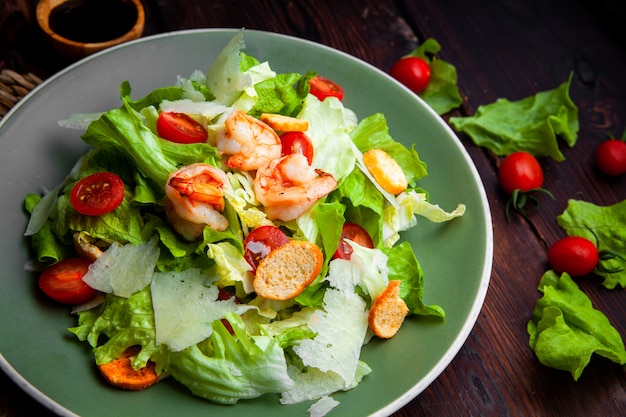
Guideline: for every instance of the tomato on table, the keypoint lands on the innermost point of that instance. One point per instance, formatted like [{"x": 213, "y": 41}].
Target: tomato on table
[
  {"x": 520, "y": 175},
  {"x": 355, "y": 233},
  {"x": 63, "y": 282},
  {"x": 413, "y": 72},
  {"x": 97, "y": 194},
  {"x": 297, "y": 142},
  {"x": 260, "y": 242},
  {"x": 610, "y": 157},
  {"x": 322, "y": 87},
  {"x": 180, "y": 128},
  {"x": 574, "y": 255},
  {"x": 520, "y": 171}
]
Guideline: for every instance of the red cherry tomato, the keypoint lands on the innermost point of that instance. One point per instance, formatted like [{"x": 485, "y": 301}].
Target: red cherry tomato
[
  {"x": 180, "y": 128},
  {"x": 356, "y": 233},
  {"x": 260, "y": 242},
  {"x": 610, "y": 157},
  {"x": 413, "y": 72},
  {"x": 574, "y": 255},
  {"x": 63, "y": 281},
  {"x": 323, "y": 87},
  {"x": 520, "y": 171},
  {"x": 297, "y": 142},
  {"x": 97, "y": 194}
]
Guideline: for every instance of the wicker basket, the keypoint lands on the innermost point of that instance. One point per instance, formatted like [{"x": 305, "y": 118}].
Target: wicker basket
[{"x": 13, "y": 87}]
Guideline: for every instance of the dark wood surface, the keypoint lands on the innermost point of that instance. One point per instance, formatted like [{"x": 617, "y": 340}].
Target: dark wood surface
[{"x": 509, "y": 49}]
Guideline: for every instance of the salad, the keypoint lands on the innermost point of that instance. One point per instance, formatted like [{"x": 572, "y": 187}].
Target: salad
[{"x": 231, "y": 183}]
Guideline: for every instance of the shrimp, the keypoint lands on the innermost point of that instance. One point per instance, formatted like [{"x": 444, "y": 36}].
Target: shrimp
[
  {"x": 250, "y": 142},
  {"x": 287, "y": 186},
  {"x": 195, "y": 198}
]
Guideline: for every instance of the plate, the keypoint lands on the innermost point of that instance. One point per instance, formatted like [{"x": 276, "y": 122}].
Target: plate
[{"x": 35, "y": 153}]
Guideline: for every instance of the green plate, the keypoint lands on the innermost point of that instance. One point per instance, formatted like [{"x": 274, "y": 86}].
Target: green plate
[{"x": 57, "y": 370}]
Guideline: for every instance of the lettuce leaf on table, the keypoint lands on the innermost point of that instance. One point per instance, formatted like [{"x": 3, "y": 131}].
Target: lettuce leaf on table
[
  {"x": 531, "y": 124},
  {"x": 608, "y": 225},
  {"x": 442, "y": 93},
  {"x": 565, "y": 329}
]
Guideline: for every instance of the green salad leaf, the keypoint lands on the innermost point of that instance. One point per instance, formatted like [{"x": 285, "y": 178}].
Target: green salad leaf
[
  {"x": 607, "y": 225},
  {"x": 531, "y": 124},
  {"x": 565, "y": 329},
  {"x": 442, "y": 92}
]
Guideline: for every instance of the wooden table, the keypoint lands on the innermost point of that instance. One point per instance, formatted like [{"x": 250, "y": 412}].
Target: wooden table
[{"x": 509, "y": 49}]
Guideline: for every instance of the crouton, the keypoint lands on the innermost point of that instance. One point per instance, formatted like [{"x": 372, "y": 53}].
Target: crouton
[
  {"x": 388, "y": 311},
  {"x": 385, "y": 170},
  {"x": 281, "y": 123},
  {"x": 288, "y": 270},
  {"x": 121, "y": 374}
]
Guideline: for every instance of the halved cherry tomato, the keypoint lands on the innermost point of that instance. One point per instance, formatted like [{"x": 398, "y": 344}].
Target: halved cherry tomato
[
  {"x": 574, "y": 255},
  {"x": 260, "y": 242},
  {"x": 322, "y": 87},
  {"x": 356, "y": 233},
  {"x": 297, "y": 142},
  {"x": 413, "y": 72},
  {"x": 610, "y": 157},
  {"x": 520, "y": 171},
  {"x": 180, "y": 128},
  {"x": 97, "y": 194},
  {"x": 63, "y": 281}
]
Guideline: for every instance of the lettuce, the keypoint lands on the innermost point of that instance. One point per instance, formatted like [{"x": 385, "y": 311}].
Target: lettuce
[
  {"x": 229, "y": 367},
  {"x": 442, "y": 93},
  {"x": 565, "y": 329},
  {"x": 123, "y": 131},
  {"x": 404, "y": 266},
  {"x": 531, "y": 124},
  {"x": 401, "y": 217},
  {"x": 607, "y": 226}
]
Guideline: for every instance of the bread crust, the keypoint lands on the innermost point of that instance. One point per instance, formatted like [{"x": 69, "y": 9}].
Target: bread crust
[
  {"x": 121, "y": 374},
  {"x": 388, "y": 311},
  {"x": 385, "y": 170},
  {"x": 288, "y": 270}
]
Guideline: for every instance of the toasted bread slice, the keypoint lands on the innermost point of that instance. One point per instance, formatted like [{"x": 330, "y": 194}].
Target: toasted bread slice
[
  {"x": 388, "y": 311},
  {"x": 281, "y": 123},
  {"x": 288, "y": 270},
  {"x": 385, "y": 170},
  {"x": 121, "y": 374}
]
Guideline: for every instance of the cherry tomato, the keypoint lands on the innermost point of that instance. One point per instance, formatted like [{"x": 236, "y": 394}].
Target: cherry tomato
[
  {"x": 520, "y": 171},
  {"x": 355, "y": 233},
  {"x": 610, "y": 157},
  {"x": 413, "y": 72},
  {"x": 323, "y": 87},
  {"x": 574, "y": 255},
  {"x": 63, "y": 281},
  {"x": 297, "y": 142},
  {"x": 97, "y": 194},
  {"x": 260, "y": 242},
  {"x": 180, "y": 128}
]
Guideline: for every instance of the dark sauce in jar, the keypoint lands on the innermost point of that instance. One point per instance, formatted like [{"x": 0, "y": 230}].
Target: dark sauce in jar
[{"x": 93, "y": 21}]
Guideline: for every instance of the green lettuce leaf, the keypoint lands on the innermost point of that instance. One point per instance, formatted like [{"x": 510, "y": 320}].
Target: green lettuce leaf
[
  {"x": 531, "y": 124},
  {"x": 229, "y": 367},
  {"x": 607, "y": 225},
  {"x": 442, "y": 92},
  {"x": 565, "y": 329},
  {"x": 404, "y": 266}
]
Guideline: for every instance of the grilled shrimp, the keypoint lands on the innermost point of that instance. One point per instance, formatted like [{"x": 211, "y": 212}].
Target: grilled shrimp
[
  {"x": 287, "y": 186},
  {"x": 195, "y": 198},
  {"x": 249, "y": 142}
]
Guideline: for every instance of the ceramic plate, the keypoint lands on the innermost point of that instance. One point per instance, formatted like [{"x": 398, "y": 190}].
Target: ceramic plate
[{"x": 35, "y": 153}]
